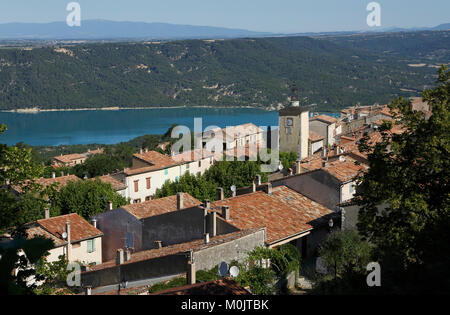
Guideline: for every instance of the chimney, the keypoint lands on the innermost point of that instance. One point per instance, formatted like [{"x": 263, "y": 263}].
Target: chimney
[
  {"x": 324, "y": 163},
  {"x": 291, "y": 171},
  {"x": 206, "y": 238},
  {"x": 233, "y": 193},
  {"x": 226, "y": 212},
  {"x": 141, "y": 151},
  {"x": 269, "y": 189},
  {"x": 180, "y": 199},
  {"x": 146, "y": 150},
  {"x": 88, "y": 290},
  {"x": 207, "y": 204},
  {"x": 53, "y": 175},
  {"x": 191, "y": 272},
  {"x": 119, "y": 257},
  {"x": 219, "y": 194},
  {"x": 324, "y": 153},
  {"x": 94, "y": 222},
  {"x": 127, "y": 255},
  {"x": 158, "y": 244},
  {"x": 258, "y": 180},
  {"x": 62, "y": 174},
  {"x": 69, "y": 243},
  {"x": 298, "y": 166},
  {"x": 214, "y": 224},
  {"x": 85, "y": 177},
  {"x": 109, "y": 206},
  {"x": 47, "y": 213},
  {"x": 253, "y": 186}
]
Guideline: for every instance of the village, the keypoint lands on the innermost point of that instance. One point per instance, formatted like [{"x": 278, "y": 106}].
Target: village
[{"x": 128, "y": 249}]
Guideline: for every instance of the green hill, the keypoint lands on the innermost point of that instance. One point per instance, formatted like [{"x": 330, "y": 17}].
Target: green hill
[{"x": 238, "y": 72}]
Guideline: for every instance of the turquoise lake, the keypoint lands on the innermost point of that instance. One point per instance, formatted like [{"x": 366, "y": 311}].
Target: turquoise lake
[{"x": 110, "y": 127}]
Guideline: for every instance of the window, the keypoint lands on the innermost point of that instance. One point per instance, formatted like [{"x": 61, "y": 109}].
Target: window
[
  {"x": 199, "y": 163},
  {"x": 90, "y": 246},
  {"x": 137, "y": 200},
  {"x": 176, "y": 179},
  {"x": 289, "y": 122},
  {"x": 148, "y": 183},
  {"x": 352, "y": 188},
  {"x": 166, "y": 171},
  {"x": 288, "y": 130},
  {"x": 136, "y": 186},
  {"x": 187, "y": 166},
  {"x": 129, "y": 240},
  {"x": 148, "y": 198}
]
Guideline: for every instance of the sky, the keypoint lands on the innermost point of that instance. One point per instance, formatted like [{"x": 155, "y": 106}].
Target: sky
[{"x": 278, "y": 16}]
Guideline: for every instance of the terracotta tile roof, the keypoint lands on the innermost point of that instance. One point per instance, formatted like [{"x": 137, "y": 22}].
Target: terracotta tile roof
[
  {"x": 224, "y": 286},
  {"x": 93, "y": 152},
  {"x": 345, "y": 170},
  {"x": 192, "y": 155},
  {"x": 195, "y": 246},
  {"x": 314, "y": 136},
  {"x": 159, "y": 206},
  {"x": 325, "y": 118},
  {"x": 68, "y": 158},
  {"x": 284, "y": 214},
  {"x": 155, "y": 161},
  {"x": 115, "y": 183},
  {"x": 80, "y": 229},
  {"x": 60, "y": 181}
]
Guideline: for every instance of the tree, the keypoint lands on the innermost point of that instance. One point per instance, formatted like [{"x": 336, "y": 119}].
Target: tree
[
  {"x": 409, "y": 174},
  {"x": 19, "y": 256},
  {"x": 288, "y": 159},
  {"x": 345, "y": 251},
  {"x": 98, "y": 165},
  {"x": 18, "y": 169},
  {"x": 87, "y": 198},
  {"x": 54, "y": 276}
]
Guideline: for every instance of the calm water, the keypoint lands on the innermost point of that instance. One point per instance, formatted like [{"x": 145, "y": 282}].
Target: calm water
[{"x": 109, "y": 127}]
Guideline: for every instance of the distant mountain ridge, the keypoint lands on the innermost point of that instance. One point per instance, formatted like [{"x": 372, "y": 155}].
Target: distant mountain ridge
[
  {"x": 103, "y": 29},
  {"x": 108, "y": 30}
]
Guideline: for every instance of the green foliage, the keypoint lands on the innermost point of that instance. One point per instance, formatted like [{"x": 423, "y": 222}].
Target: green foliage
[
  {"x": 195, "y": 185},
  {"x": 246, "y": 72},
  {"x": 175, "y": 283},
  {"x": 288, "y": 159},
  {"x": 259, "y": 279},
  {"x": 19, "y": 169},
  {"x": 208, "y": 275},
  {"x": 222, "y": 174},
  {"x": 404, "y": 196},
  {"x": 54, "y": 276},
  {"x": 33, "y": 249},
  {"x": 345, "y": 251},
  {"x": 98, "y": 165},
  {"x": 87, "y": 198}
]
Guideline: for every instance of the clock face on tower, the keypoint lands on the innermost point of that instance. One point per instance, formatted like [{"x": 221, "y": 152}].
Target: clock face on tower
[{"x": 289, "y": 122}]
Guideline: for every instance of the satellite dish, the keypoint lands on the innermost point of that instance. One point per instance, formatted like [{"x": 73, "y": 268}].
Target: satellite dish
[
  {"x": 223, "y": 269},
  {"x": 64, "y": 235},
  {"x": 233, "y": 188},
  {"x": 280, "y": 166},
  {"x": 234, "y": 272}
]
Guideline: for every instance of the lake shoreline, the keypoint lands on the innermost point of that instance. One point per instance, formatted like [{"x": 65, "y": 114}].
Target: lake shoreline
[{"x": 36, "y": 110}]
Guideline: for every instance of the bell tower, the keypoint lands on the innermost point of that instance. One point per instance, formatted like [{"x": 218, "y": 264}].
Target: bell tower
[{"x": 293, "y": 126}]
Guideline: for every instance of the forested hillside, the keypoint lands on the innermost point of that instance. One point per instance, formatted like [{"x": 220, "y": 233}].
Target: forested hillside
[{"x": 238, "y": 72}]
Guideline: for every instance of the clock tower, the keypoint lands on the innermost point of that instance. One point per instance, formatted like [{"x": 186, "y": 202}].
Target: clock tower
[{"x": 293, "y": 124}]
